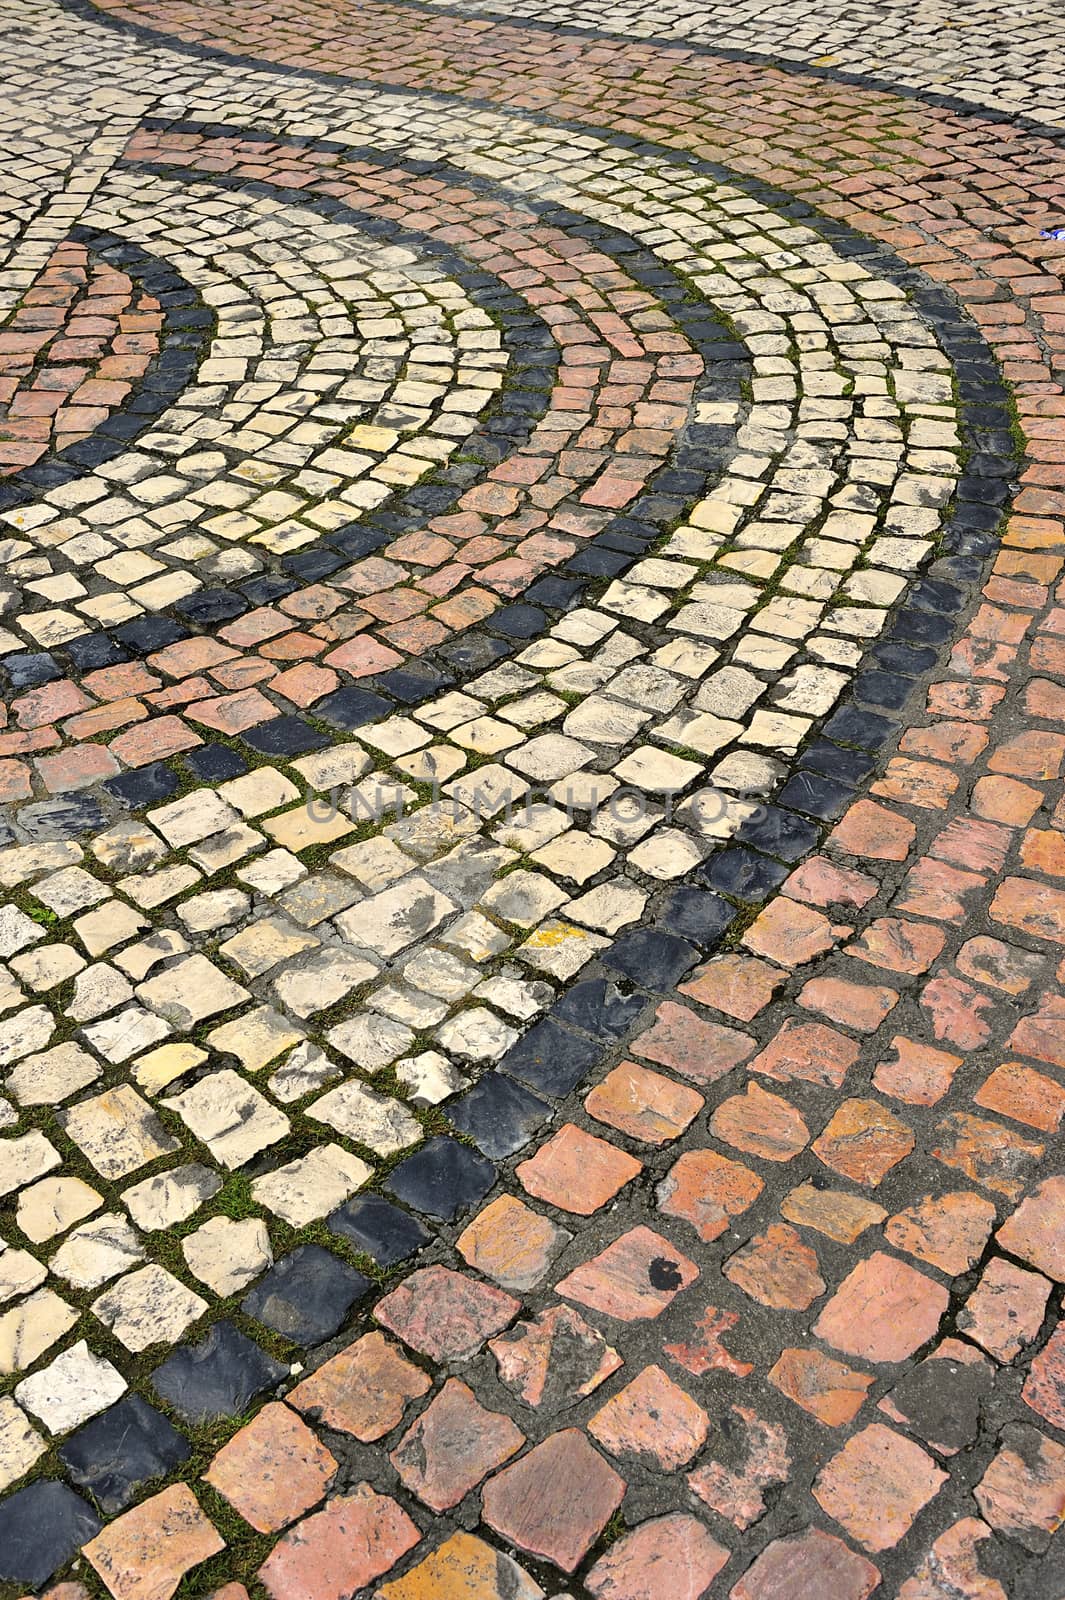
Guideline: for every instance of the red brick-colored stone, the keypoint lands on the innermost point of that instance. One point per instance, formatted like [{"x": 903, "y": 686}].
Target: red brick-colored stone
[
  {"x": 339, "y": 1550},
  {"x": 918, "y": 1075},
  {"x": 1001, "y": 966},
  {"x": 829, "y": 1390},
  {"x": 643, "y": 1104},
  {"x": 808, "y": 1051},
  {"x": 936, "y": 889},
  {"x": 789, "y": 933},
  {"x": 555, "y": 1360},
  {"x": 738, "y": 1495},
  {"x": 1024, "y": 1095},
  {"x": 917, "y": 783},
  {"x": 635, "y": 1277},
  {"x": 777, "y": 1269},
  {"x": 989, "y": 1153},
  {"x": 1033, "y": 753},
  {"x": 883, "y": 1310},
  {"x": 1006, "y": 1309},
  {"x": 708, "y": 1190},
  {"x": 463, "y": 1568},
  {"x": 577, "y": 1171},
  {"x": 700, "y": 1050},
  {"x": 1036, "y": 1230},
  {"x": 863, "y": 1141},
  {"x": 876, "y": 1485},
  {"x": 898, "y": 945},
  {"x": 958, "y": 1012},
  {"x": 858, "y": 1005},
  {"x": 738, "y": 985},
  {"x": 1022, "y": 1493},
  {"x": 363, "y": 1391},
  {"x": 805, "y": 1565},
  {"x": 836, "y": 1213},
  {"x": 761, "y": 1124},
  {"x": 1005, "y": 800},
  {"x": 707, "y": 1353},
  {"x": 949, "y": 1231},
  {"x": 1042, "y": 1035},
  {"x": 950, "y": 1570},
  {"x": 673, "y": 1555},
  {"x": 1044, "y": 1388},
  {"x": 273, "y": 1470},
  {"x": 453, "y": 1445},
  {"x": 145, "y": 1553},
  {"x": 556, "y": 1500},
  {"x": 652, "y": 1421},
  {"x": 821, "y": 882},
  {"x": 511, "y": 1243},
  {"x": 445, "y": 1315},
  {"x": 876, "y": 831}
]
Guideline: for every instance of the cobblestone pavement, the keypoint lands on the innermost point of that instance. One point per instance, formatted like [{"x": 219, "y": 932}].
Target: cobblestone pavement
[{"x": 533, "y": 835}]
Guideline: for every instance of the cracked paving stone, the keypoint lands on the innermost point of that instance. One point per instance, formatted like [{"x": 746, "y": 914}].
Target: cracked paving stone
[
  {"x": 672, "y": 1555},
  {"x": 553, "y": 1361},
  {"x": 452, "y": 1446},
  {"x": 340, "y": 1550}
]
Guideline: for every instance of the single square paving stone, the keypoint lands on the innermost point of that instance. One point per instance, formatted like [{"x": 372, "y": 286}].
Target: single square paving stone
[
  {"x": 651, "y": 958},
  {"x": 551, "y": 1059},
  {"x": 41, "y": 1528},
  {"x": 442, "y": 1179},
  {"x": 635, "y": 1277},
  {"x": 453, "y": 1445},
  {"x": 744, "y": 874},
  {"x": 444, "y": 1314},
  {"x": 379, "y": 1229},
  {"x": 876, "y": 1485},
  {"x": 149, "y": 1306},
  {"x": 555, "y": 1501},
  {"x": 808, "y": 1563},
  {"x": 273, "y": 1470},
  {"x": 146, "y": 1552},
  {"x": 363, "y": 1391},
  {"x": 672, "y": 1556},
  {"x": 115, "y": 1454},
  {"x": 340, "y": 1550},
  {"x": 464, "y": 1568},
  {"x": 71, "y": 1389},
  {"x": 217, "y": 1378},
  {"x": 511, "y": 1243},
  {"x": 697, "y": 915},
  {"x": 306, "y": 1295},
  {"x": 498, "y": 1115},
  {"x": 284, "y": 736},
  {"x": 599, "y": 1006}
]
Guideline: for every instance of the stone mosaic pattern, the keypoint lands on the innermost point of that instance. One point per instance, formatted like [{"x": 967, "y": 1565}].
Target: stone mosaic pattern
[{"x": 530, "y": 1004}]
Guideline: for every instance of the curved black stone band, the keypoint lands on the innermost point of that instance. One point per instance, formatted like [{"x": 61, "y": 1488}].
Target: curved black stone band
[{"x": 188, "y": 326}]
